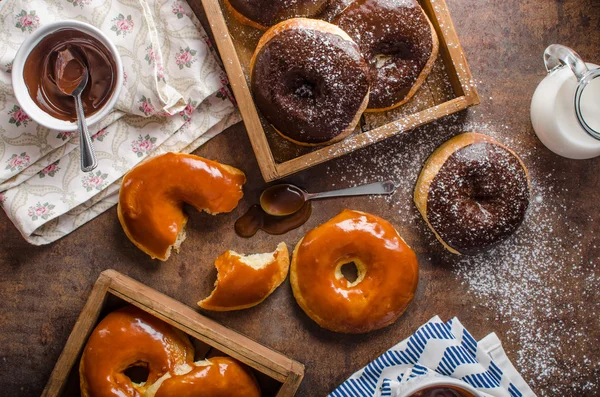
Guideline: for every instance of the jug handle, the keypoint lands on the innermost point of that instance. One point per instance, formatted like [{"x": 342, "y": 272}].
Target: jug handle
[{"x": 557, "y": 56}]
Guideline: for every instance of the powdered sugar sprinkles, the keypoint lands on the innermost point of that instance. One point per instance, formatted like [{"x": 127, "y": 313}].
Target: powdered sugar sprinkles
[{"x": 530, "y": 281}]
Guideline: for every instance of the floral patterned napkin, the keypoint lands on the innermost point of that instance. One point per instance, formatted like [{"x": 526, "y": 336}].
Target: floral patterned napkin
[{"x": 174, "y": 99}]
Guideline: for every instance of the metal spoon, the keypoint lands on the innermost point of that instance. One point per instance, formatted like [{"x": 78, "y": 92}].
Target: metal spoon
[
  {"x": 66, "y": 85},
  {"x": 88, "y": 154},
  {"x": 285, "y": 199}
]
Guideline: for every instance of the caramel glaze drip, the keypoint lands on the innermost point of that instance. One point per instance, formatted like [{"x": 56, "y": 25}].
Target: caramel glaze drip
[
  {"x": 256, "y": 218},
  {"x": 441, "y": 391},
  {"x": 478, "y": 198},
  {"x": 267, "y": 13},
  {"x": 42, "y": 71},
  {"x": 395, "y": 38},
  {"x": 309, "y": 84}
]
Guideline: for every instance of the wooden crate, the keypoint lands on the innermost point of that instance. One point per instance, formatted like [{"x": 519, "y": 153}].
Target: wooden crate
[
  {"x": 448, "y": 89},
  {"x": 278, "y": 375}
]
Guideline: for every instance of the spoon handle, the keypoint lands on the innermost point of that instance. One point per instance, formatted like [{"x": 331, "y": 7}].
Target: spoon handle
[
  {"x": 386, "y": 187},
  {"x": 88, "y": 155}
]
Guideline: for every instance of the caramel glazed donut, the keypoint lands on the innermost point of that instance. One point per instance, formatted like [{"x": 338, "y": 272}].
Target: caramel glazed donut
[
  {"x": 153, "y": 193},
  {"x": 473, "y": 192},
  {"x": 399, "y": 43},
  {"x": 130, "y": 337},
  {"x": 310, "y": 81},
  {"x": 387, "y": 273},
  {"x": 261, "y": 14},
  {"x": 244, "y": 281}
]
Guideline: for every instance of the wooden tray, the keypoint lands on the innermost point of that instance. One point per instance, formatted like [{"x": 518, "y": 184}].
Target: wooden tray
[
  {"x": 277, "y": 375},
  {"x": 448, "y": 89}
]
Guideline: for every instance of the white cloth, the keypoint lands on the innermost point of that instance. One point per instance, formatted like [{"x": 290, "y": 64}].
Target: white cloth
[
  {"x": 174, "y": 98},
  {"x": 438, "y": 349}
]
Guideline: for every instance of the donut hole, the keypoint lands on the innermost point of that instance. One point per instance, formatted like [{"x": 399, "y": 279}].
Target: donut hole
[
  {"x": 350, "y": 271},
  {"x": 480, "y": 186},
  {"x": 387, "y": 49},
  {"x": 380, "y": 59},
  {"x": 303, "y": 85},
  {"x": 353, "y": 271},
  {"x": 137, "y": 373}
]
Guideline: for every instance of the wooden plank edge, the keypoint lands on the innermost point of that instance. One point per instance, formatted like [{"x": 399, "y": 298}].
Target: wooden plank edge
[
  {"x": 262, "y": 358},
  {"x": 373, "y": 136},
  {"x": 438, "y": 19},
  {"x": 291, "y": 385},
  {"x": 239, "y": 85},
  {"x": 455, "y": 50},
  {"x": 81, "y": 330}
]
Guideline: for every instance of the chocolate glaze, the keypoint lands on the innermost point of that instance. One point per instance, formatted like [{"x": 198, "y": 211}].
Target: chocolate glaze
[
  {"x": 333, "y": 9},
  {"x": 395, "y": 39},
  {"x": 441, "y": 391},
  {"x": 309, "y": 84},
  {"x": 256, "y": 218},
  {"x": 267, "y": 13},
  {"x": 43, "y": 66},
  {"x": 478, "y": 198}
]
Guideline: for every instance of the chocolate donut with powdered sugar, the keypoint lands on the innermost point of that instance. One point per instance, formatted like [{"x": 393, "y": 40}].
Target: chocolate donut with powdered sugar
[
  {"x": 399, "y": 43},
  {"x": 310, "y": 81},
  {"x": 473, "y": 192}
]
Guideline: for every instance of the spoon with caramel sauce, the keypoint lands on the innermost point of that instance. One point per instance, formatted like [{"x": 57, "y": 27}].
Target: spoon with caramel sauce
[
  {"x": 286, "y": 207},
  {"x": 71, "y": 77},
  {"x": 286, "y": 199}
]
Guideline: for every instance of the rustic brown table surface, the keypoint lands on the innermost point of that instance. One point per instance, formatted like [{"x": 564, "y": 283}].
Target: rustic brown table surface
[{"x": 539, "y": 291}]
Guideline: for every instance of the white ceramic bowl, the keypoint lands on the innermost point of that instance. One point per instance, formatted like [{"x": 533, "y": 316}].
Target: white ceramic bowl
[{"x": 20, "y": 89}]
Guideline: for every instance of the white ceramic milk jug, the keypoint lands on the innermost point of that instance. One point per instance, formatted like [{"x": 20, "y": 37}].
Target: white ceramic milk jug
[{"x": 565, "y": 109}]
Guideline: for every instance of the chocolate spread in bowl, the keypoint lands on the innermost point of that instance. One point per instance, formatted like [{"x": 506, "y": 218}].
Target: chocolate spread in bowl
[{"x": 44, "y": 67}]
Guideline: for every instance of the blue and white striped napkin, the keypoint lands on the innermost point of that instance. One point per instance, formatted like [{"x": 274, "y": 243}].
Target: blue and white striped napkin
[{"x": 438, "y": 349}]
